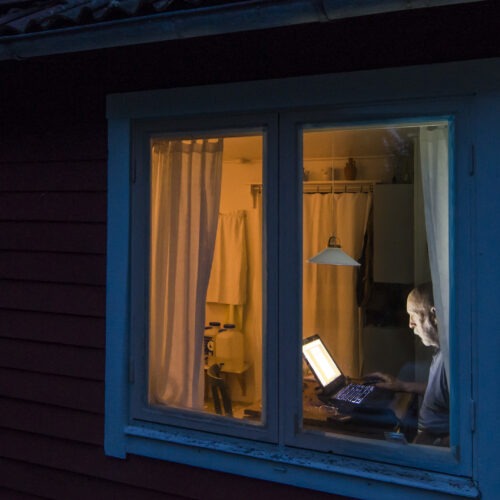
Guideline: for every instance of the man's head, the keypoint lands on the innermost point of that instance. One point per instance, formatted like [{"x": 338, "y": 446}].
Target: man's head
[{"x": 423, "y": 320}]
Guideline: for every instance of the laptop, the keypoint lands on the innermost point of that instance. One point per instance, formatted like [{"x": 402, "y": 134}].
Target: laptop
[{"x": 336, "y": 389}]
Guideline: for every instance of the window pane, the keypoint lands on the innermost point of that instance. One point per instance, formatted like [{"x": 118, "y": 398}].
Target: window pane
[
  {"x": 375, "y": 246},
  {"x": 205, "y": 292}
]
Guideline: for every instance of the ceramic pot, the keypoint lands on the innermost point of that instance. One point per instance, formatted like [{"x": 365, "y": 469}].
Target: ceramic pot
[{"x": 350, "y": 170}]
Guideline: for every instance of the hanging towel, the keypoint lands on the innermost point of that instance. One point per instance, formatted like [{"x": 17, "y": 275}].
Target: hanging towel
[{"x": 228, "y": 278}]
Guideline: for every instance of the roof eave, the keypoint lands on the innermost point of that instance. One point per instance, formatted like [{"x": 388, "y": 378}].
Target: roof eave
[{"x": 222, "y": 19}]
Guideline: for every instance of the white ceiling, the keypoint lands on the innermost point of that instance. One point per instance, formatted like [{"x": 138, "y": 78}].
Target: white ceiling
[{"x": 329, "y": 143}]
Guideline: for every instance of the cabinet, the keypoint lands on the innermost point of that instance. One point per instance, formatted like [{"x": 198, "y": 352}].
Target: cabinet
[{"x": 393, "y": 252}]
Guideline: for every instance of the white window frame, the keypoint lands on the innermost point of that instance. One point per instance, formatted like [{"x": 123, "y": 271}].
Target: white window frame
[
  {"x": 364, "y": 97},
  {"x": 453, "y": 111},
  {"x": 197, "y": 126}
]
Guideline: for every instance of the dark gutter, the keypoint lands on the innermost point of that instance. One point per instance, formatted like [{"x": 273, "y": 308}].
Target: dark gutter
[{"x": 203, "y": 21}]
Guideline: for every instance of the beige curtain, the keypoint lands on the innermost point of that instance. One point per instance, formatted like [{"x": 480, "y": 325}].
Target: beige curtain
[
  {"x": 329, "y": 292},
  {"x": 185, "y": 194},
  {"x": 253, "y": 307}
]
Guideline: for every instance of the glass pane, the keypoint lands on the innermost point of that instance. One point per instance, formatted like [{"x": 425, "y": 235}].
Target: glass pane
[
  {"x": 205, "y": 295},
  {"x": 375, "y": 282}
]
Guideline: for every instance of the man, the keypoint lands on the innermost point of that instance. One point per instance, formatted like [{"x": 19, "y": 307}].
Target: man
[{"x": 433, "y": 418}]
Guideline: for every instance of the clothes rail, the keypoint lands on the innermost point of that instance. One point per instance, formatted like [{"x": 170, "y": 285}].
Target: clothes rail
[{"x": 324, "y": 187}]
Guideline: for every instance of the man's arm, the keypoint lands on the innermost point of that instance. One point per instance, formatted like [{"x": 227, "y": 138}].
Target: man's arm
[{"x": 394, "y": 384}]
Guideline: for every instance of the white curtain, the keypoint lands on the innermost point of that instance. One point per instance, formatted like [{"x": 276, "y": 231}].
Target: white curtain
[
  {"x": 422, "y": 273},
  {"x": 434, "y": 167},
  {"x": 185, "y": 196},
  {"x": 329, "y": 292}
]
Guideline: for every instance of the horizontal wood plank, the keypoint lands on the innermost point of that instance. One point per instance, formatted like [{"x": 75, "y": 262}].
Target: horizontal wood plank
[
  {"x": 82, "y": 331},
  {"x": 8, "y": 494},
  {"x": 67, "y": 392},
  {"x": 53, "y": 176},
  {"x": 53, "y": 237},
  {"x": 167, "y": 477},
  {"x": 52, "y": 421},
  {"x": 57, "y": 484},
  {"x": 53, "y": 267},
  {"x": 54, "y": 142},
  {"x": 82, "y": 300},
  {"x": 52, "y": 359},
  {"x": 56, "y": 207}
]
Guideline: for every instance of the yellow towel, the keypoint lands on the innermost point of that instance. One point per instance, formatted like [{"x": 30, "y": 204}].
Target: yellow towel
[{"x": 228, "y": 278}]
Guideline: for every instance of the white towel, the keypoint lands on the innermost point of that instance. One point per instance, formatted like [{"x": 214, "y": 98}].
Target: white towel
[{"x": 228, "y": 278}]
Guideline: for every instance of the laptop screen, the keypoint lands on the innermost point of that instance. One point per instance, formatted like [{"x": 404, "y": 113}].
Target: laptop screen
[{"x": 320, "y": 361}]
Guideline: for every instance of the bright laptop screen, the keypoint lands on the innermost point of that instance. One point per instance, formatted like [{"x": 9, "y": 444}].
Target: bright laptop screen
[{"x": 320, "y": 361}]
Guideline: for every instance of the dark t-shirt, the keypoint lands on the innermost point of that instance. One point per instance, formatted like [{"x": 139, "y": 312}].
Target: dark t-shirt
[{"x": 434, "y": 415}]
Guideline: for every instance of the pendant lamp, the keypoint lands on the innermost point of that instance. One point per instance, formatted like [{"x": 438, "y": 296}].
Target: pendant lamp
[{"x": 333, "y": 255}]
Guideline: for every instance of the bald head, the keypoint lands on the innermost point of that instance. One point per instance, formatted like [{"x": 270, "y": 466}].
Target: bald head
[{"x": 423, "y": 294}]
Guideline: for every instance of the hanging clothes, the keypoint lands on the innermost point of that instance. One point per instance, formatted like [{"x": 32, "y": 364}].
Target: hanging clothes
[{"x": 228, "y": 278}]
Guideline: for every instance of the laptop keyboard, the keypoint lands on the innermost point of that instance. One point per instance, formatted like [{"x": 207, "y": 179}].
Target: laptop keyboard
[{"x": 354, "y": 393}]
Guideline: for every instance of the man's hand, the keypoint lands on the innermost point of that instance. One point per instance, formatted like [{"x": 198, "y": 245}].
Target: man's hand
[{"x": 392, "y": 383}]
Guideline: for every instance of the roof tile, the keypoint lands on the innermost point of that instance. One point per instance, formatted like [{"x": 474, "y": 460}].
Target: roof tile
[{"x": 27, "y": 16}]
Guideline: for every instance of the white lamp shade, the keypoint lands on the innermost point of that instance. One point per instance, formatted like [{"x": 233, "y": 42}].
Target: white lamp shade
[{"x": 334, "y": 256}]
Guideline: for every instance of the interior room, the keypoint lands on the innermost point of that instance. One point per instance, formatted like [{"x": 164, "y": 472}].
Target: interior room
[{"x": 361, "y": 186}]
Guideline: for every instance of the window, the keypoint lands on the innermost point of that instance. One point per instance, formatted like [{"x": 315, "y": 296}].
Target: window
[
  {"x": 218, "y": 314},
  {"x": 202, "y": 219},
  {"x": 365, "y": 191},
  {"x": 197, "y": 202}
]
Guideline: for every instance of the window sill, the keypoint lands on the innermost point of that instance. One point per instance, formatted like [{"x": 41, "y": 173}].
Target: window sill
[{"x": 325, "y": 472}]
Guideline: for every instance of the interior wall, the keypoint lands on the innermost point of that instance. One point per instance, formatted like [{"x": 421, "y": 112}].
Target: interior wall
[
  {"x": 236, "y": 180},
  {"x": 368, "y": 168}
]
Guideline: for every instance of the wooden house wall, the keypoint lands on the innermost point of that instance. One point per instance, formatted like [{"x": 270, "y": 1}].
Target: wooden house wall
[{"x": 53, "y": 155}]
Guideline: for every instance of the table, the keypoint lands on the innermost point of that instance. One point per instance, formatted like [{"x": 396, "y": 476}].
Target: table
[
  {"x": 318, "y": 416},
  {"x": 401, "y": 417},
  {"x": 231, "y": 368}
]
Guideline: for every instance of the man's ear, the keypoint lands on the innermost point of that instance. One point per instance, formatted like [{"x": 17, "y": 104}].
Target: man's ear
[{"x": 433, "y": 316}]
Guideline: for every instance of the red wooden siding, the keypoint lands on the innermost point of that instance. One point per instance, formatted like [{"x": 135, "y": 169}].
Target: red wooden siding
[
  {"x": 53, "y": 234},
  {"x": 53, "y": 237}
]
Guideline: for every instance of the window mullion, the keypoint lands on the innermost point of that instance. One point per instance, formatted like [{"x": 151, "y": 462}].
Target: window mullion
[{"x": 290, "y": 286}]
